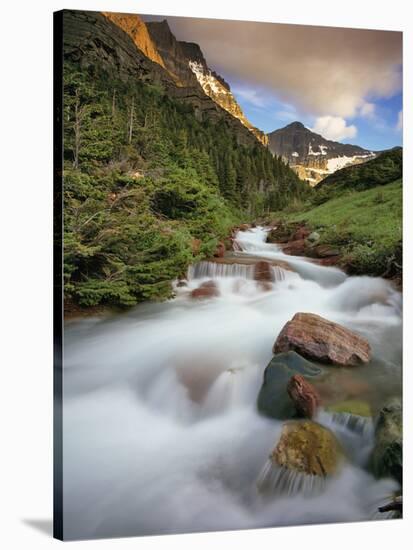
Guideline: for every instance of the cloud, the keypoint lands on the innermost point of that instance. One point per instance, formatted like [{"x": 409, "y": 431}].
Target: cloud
[
  {"x": 367, "y": 110},
  {"x": 399, "y": 125},
  {"x": 286, "y": 115},
  {"x": 320, "y": 70},
  {"x": 334, "y": 128},
  {"x": 250, "y": 95}
]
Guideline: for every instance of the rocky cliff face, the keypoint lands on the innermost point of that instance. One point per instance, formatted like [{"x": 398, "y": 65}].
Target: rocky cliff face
[
  {"x": 187, "y": 65},
  {"x": 94, "y": 41},
  {"x": 134, "y": 26},
  {"x": 310, "y": 155}
]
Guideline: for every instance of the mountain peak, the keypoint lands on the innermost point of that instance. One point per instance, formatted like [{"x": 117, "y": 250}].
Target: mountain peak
[
  {"x": 297, "y": 125},
  {"x": 312, "y": 156}
]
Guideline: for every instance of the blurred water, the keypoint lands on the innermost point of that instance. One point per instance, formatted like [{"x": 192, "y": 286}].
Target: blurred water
[{"x": 161, "y": 431}]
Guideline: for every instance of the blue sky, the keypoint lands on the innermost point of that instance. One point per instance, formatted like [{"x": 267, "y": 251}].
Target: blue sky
[{"x": 378, "y": 130}]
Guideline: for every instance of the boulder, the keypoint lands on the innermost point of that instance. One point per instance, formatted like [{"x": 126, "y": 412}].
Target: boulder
[
  {"x": 304, "y": 396},
  {"x": 263, "y": 272},
  {"x": 220, "y": 250},
  {"x": 325, "y": 251},
  {"x": 300, "y": 233},
  {"x": 295, "y": 248},
  {"x": 321, "y": 340},
  {"x": 309, "y": 448},
  {"x": 273, "y": 398},
  {"x": 208, "y": 289},
  {"x": 387, "y": 455},
  {"x": 279, "y": 234}
]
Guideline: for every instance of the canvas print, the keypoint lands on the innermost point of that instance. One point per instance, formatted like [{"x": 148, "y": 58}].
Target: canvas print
[{"x": 228, "y": 275}]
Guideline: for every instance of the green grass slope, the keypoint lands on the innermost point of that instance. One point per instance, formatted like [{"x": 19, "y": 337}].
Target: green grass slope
[{"x": 366, "y": 225}]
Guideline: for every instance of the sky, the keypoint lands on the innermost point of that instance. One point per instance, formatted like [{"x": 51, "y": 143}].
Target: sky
[{"x": 345, "y": 84}]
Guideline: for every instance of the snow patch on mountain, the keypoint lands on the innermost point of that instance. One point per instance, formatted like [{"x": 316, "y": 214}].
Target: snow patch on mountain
[
  {"x": 340, "y": 162},
  {"x": 208, "y": 82}
]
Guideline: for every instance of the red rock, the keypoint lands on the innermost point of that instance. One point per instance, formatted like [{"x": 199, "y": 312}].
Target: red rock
[
  {"x": 316, "y": 338},
  {"x": 325, "y": 251},
  {"x": 329, "y": 262},
  {"x": 301, "y": 233},
  {"x": 220, "y": 251},
  {"x": 263, "y": 272},
  {"x": 304, "y": 396},
  {"x": 206, "y": 290},
  {"x": 265, "y": 286},
  {"x": 295, "y": 248}
]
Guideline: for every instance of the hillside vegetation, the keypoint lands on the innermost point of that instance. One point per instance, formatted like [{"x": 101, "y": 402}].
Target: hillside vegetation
[
  {"x": 148, "y": 188},
  {"x": 365, "y": 225},
  {"x": 385, "y": 168}
]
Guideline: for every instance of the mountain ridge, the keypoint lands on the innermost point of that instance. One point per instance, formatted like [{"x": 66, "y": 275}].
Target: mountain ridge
[
  {"x": 187, "y": 64},
  {"x": 312, "y": 156}
]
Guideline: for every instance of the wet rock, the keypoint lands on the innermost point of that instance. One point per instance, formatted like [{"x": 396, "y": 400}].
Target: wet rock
[
  {"x": 181, "y": 283},
  {"x": 206, "y": 290},
  {"x": 295, "y": 248},
  {"x": 308, "y": 448},
  {"x": 265, "y": 286},
  {"x": 273, "y": 398},
  {"x": 301, "y": 233},
  {"x": 244, "y": 227},
  {"x": 304, "y": 396},
  {"x": 281, "y": 233},
  {"x": 263, "y": 272},
  {"x": 325, "y": 251},
  {"x": 387, "y": 455},
  {"x": 321, "y": 340},
  {"x": 220, "y": 250}
]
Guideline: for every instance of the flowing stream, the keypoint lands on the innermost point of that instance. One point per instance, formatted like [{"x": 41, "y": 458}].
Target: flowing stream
[{"x": 161, "y": 429}]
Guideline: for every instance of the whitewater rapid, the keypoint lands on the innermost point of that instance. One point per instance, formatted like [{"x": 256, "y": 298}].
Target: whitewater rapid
[{"x": 161, "y": 431}]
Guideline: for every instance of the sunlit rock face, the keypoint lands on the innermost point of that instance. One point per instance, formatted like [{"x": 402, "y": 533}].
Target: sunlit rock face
[
  {"x": 133, "y": 25},
  {"x": 187, "y": 65},
  {"x": 310, "y": 155}
]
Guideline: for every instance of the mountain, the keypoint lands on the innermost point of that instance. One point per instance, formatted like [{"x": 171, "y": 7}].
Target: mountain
[
  {"x": 312, "y": 156},
  {"x": 92, "y": 40},
  {"x": 187, "y": 65},
  {"x": 133, "y": 25}
]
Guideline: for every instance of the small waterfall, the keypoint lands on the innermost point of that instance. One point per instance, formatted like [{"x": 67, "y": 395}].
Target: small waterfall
[
  {"x": 234, "y": 388},
  {"x": 213, "y": 270},
  {"x": 359, "y": 424},
  {"x": 279, "y": 480}
]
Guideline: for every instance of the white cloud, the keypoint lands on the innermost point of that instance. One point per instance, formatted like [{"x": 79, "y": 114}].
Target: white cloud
[
  {"x": 250, "y": 95},
  {"x": 286, "y": 115},
  {"x": 320, "y": 70},
  {"x": 399, "y": 125},
  {"x": 334, "y": 128},
  {"x": 367, "y": 110}
]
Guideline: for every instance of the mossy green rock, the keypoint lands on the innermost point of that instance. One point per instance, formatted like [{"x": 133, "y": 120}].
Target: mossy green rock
[
  {"x": 359, "y": 408},
  {"x": 387, "y": 456},
  {"x": 273, "y": 399},
  {"x": 309, "y": 448}
]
